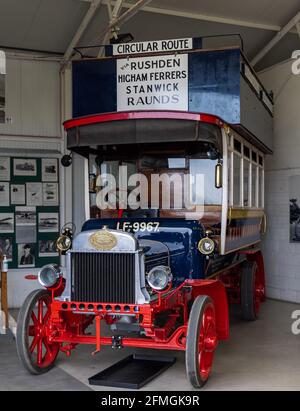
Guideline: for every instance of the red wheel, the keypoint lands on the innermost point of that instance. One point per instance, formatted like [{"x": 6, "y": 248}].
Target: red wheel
[
  {"x": 252, "y": 291},
  {"x": 35, "y": 351},
  {"x": 259, "y": 292},
  {"x": 201, "y": 341}
]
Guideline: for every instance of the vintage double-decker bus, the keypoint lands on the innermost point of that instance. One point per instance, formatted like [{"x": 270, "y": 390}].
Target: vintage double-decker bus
[{"x": 157, "y": 265}]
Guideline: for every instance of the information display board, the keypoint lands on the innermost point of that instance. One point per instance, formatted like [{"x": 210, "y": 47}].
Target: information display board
[{"x": 29, "y": 211}]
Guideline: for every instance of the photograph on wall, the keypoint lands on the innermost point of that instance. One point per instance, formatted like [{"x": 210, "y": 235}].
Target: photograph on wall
[
  {"x": 48, "y": 222},
  {"x": 6, "y": 247},
  {"x": 17, "y": 194},
  {"x": 25, "y": 216},
  {"x": 4, "y": 194},
  {"x": 49, "y": 169},
  {"x": 25, "y": 225},
  {"x": 6, "y": 223},
  {"x": 34, "y": 194},
  {"x": 4, "y": 168},
  {"x": 294, "y": 184},
  {"x": 47, "y": 248},
  {"x": 25, "y": 167},
  {"x": 50, "y": 194},
  {"x": 25, "y": 234},
  {"x": 26, "y": 255}
]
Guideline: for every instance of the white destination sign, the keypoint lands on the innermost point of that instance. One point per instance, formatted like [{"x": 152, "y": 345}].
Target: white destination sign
[
  {"x": 153, "y": 46},
  {"x": 153, "y": 83}
]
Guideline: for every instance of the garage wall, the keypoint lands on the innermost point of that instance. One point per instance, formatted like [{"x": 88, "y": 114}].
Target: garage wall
[
  {"x": 33, "y": 103},
  {"x": 282, "y": 258}
]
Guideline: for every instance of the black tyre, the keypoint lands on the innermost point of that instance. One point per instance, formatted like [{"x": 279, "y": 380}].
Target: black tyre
[
  {"x": 250, "y": 291},
  {"x": 35, "y": 351},
  {"x": 201, "y": 341}
]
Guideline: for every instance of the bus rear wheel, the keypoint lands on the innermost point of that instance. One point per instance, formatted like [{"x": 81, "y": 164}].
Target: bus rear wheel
[
  {"x": 252, "y": 291},
  {"x": 201, "y": 341},
  {"x": 36, "y": 352}
]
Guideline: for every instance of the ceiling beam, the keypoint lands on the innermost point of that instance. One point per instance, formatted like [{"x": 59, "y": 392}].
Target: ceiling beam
[
  {"x": 206, "y": 17},
  {"x": 127, "y": 15},
  {"x": 94, "y": 5},
  {"x": 113, "y": 14},
  {"x": 276, "y": 39},
  {"x": 117, "y": 20},
  {"x": 298, "y": 28}
]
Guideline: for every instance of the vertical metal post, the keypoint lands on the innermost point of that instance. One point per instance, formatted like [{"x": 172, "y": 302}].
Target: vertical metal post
[
  {"x": 98, "y": 335},
  {"x": 4, "y": 300}
]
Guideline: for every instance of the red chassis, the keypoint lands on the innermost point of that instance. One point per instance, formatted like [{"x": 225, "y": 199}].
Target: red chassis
[
  {"x": 67, "y": 327},
  {"x": 195, "y": 318}
]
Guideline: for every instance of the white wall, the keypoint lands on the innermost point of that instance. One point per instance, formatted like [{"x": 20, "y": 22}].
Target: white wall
[
  {"x": 32, "y": 98},
  {"x": 33, "y": 103},
  {"x": 282, "y": 258}
]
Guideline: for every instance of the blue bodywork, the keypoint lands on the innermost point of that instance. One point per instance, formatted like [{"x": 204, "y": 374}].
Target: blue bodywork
[
  {"x": 180, "y": 236},
  {"x": 217, "y": 85},
  {"x": 214, "y": 85}
]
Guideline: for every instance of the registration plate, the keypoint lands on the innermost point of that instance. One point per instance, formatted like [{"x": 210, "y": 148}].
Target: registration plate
[{"x": 137, "y": 226}]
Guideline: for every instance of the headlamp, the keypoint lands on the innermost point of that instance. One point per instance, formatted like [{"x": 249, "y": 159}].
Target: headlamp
[
  {"x": 206, "y": 246},
  {"x": 49, "y": 275},
  {"x": 63, "y": 243},
  {"x": 159, "y": 277}
]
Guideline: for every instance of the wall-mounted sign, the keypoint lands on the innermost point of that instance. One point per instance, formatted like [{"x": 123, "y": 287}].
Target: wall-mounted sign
[
  {"x": 153, "y": 46},
  {"x": 153, "y": 83}
]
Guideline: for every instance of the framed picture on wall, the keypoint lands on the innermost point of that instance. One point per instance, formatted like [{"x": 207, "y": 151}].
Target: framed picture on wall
[
  {"x": 25, "y": 167},
  {"x": 7, "y": 223},
  {"x": 50, "y": 194},
  {"x": 4, "y": 194},
  {"x": 6, "y": 247},
  {"x": 4, "y": 168},
  {"x": 49, "y": 169},
  {"x": 17, "y": 194},
  {"x": 294, "y": 184},
  {"x": 26, "y": 255},
  {"x": 34, "y": 194},
  {"x": 48, "y": 222},
  {"x": 47, "y": 248}
]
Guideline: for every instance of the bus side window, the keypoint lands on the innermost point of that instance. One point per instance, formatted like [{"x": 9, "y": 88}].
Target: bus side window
[
  {"x": 237, "y": 180},
  {"x": 254, "y": 184},
  {"x": 246, "y": 183},
  {"x": 261, "y": 188}
]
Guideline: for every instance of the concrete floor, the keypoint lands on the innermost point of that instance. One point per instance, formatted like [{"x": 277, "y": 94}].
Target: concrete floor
[{"x": 263, "y": 355}]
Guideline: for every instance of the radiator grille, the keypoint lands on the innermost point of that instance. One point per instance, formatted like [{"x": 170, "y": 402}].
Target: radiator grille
[{"x": 103, "y": 277}]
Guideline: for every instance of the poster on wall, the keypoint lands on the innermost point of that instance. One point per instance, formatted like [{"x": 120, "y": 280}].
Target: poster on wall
[
  {"x": 4, "y": 168},
  {"x": 25, "y": 167},
  {"x": 34, "y": 194},
  {"x": 294, "y": 186},
  {"x": 17, "y": 194},
  {"x": 6, "y": 247},
  {"x": 26, "y": 255},
  {"x": 153, "y": 83},
  {"x": 50, "y": 194},
  {"x": 49, "y": 169},
  {"x": 6, "y": 223},
  {"x": 4, "y": 194},
  {"x": 47, "y": 248},
  {"x": 25, "y": 224},
  {"x": 48, "y": 222}
]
